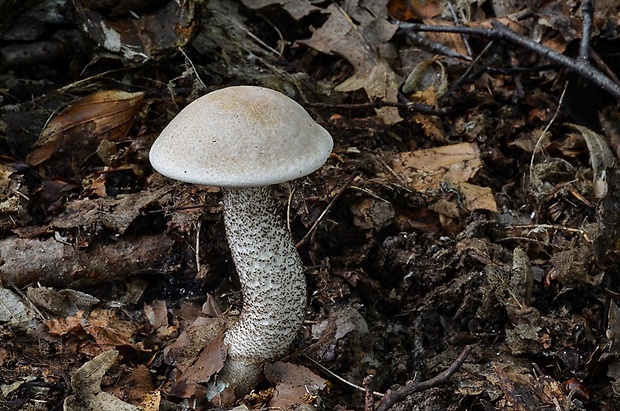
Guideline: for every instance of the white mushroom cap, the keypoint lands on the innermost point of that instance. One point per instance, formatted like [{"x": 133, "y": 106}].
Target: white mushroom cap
[{"x": 242, "y": 136}]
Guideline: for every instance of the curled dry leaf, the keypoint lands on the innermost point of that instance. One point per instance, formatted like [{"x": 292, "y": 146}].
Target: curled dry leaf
[
  {"x": 601, "y": 158},
  {"x": 427, "y": 81},
  {"x": 74, "y": 135}
]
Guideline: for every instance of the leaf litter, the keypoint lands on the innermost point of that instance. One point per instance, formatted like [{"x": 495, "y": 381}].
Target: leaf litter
[{"x": 423, "y": 233}]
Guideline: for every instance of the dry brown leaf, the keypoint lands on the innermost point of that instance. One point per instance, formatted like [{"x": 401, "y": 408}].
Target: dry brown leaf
[
  {"x": 414, "y": 9},
  {"x": 157, "y": 315},
  {"x": 295, "y": 384},
  {"x": 66, "y": 325},
  {"x": 210, "y": 361},
  {"x": 453, "y": 165},
  {"x": 358, "y": 44},
  {"x": 426, "y": 169},
  {"x": 477, "y": 198},
  {"x": 115, "y": 214},
  {"x": 109, "y": 330},
  {"x": 296, "y": 8},
  {"x": 138, "y": 388},
  {"x": 74, "y": 135}
]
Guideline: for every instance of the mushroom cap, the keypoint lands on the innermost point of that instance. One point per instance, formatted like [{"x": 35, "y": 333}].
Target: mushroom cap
[{"x": 242, "y": 136}]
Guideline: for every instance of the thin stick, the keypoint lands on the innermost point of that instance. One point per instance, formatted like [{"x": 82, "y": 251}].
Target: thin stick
[
  {"x": 393, "y": 396},
  {"x": 339, "y": 378},
  {"x": 468, "y": 73},
  {"x": 500, "y": 31},
  {"x": 542, "y": 135},
  {"x": 329, "y": 206},
  {"x": 579, "y": 66}
]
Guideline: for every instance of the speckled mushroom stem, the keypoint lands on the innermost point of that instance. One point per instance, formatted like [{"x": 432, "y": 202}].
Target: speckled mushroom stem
[{"x": 272, "y": 284}]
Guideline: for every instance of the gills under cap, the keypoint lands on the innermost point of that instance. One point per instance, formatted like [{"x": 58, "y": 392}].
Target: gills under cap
[{"x": 242, "y": 136}]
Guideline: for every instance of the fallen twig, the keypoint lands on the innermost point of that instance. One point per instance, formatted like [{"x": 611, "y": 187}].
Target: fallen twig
[
  {"x": 502, "y": 32},
  {"x": 393, "y": 396},
  {"x": 587, "y": 10}
]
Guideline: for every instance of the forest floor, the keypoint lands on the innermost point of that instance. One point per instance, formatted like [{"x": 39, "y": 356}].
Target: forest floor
[{"x": 470, "y": 206}]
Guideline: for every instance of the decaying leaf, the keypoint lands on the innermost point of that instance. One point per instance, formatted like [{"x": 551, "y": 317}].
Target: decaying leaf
[
  {"x": 61, "y": 303},
  {"x": 103, "y": 325},
  {"x": 296, "y": 8},
  {"x": 74, "y": 135},
  {"x": 427, "y": 81},
  {"x": 358, "y": 43},
  {"x": 210, "y": 361},
  {"x": 524, "y": 392},
  {"x": 601, "y": 158},
  {"x": 450, "y": 166},
  {"x": 570, "y": 267},
  {"x": 12, "y": 308},
  {"x": 86, "y": 384},
  {"x": 295, "y": 384},
  {"x": 141, "y": 36}
]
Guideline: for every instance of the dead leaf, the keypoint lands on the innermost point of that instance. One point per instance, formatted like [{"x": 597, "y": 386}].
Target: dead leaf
[
  {"x": 446, "y": 167},
  {"x": 476, "y": 197},
  {"x": 157, "y": 315},
  {"x": 210, "y": 362},
  {"x": 426, "y": 169},
  {"x": 414, "y": 9},
  {"x": 74, "y": 135},
  {"x": 109, "y": 330},
  {"x": 60, "y": 303},
  {"x": 601, "y": 158},
  {"x": 139, "y": 37},
  {"x": 358, "y": 44},
  {"x": 524, "y": 392},
  {"x": 115, "y": 214},
  {"x": 427, "y": 81},
  {"x": 139, "y": 388},
  {"x": 86, "y": 384},
  {"x": 66, "y": 325},
  {"x": 295, "y": 384},
  {"x": 296, "y": 8},
  {"x": 13, "y": 309}
]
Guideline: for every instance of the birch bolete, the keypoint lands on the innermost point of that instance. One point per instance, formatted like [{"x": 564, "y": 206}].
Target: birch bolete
[{"x": 244, "y": 139}]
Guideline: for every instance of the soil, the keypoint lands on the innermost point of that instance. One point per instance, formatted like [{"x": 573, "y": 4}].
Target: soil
[{"x": 482, "y": 217}]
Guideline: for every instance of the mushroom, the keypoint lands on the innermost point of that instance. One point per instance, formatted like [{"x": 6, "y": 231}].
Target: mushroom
[{"x": 244, "y": 139}]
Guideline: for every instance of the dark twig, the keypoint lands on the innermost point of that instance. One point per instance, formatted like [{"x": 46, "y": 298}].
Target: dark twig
[
  {"x": 394, "y": 396},
  {"x": 329, "y": 206},
  {"x": 579, "y": 66},
  {"x": 596, "y": 58},
  {"x": 469, "y": 73},
  {"x": 587, "y": 10},
  {"x": 434, "y": 47},
  {"x": 502, "y": 32},
  {"x": 456, "y": 20}
]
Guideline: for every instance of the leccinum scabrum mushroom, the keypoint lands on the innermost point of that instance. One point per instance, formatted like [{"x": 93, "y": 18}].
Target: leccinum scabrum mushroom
[{"x": 244, "y": 139}]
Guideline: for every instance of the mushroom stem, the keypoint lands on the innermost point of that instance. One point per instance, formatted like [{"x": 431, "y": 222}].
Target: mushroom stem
[{"x": 272, "y": 284}]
